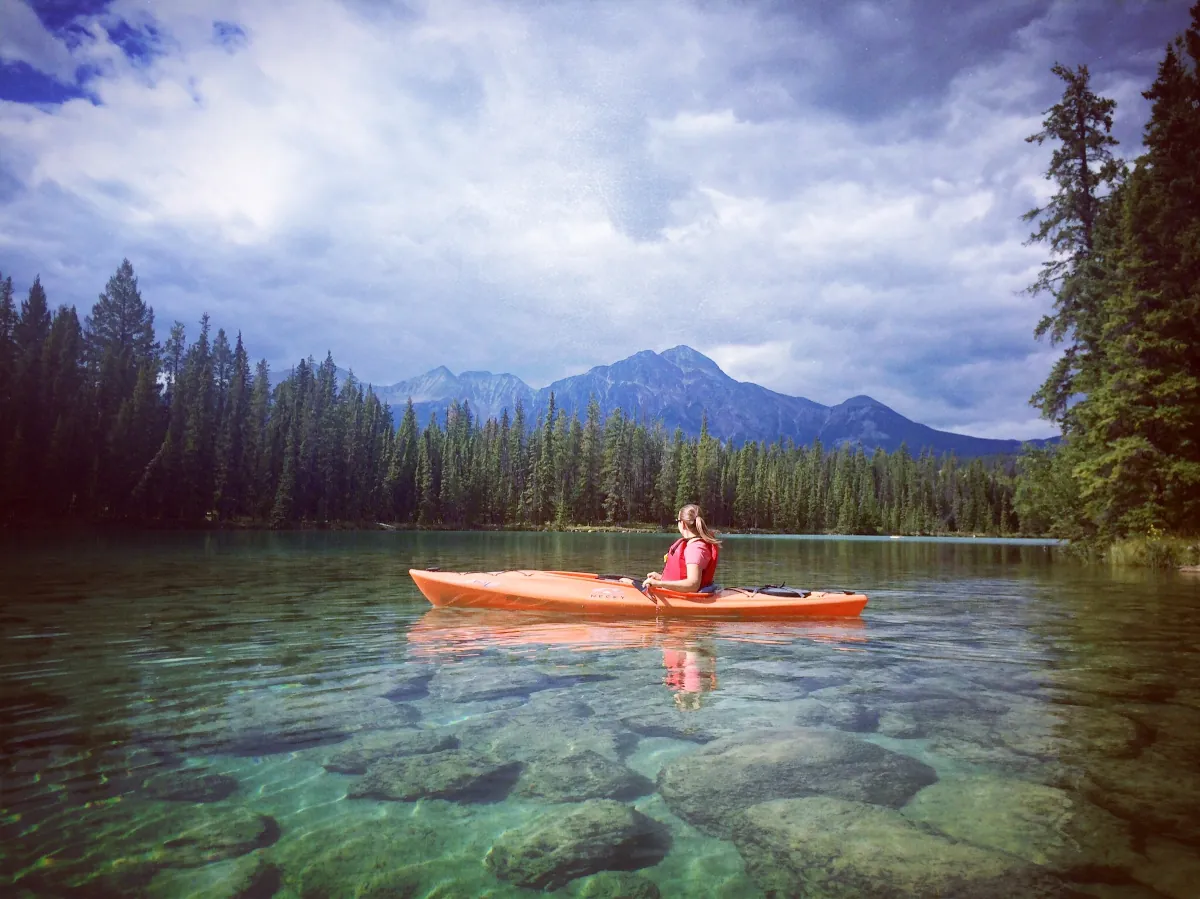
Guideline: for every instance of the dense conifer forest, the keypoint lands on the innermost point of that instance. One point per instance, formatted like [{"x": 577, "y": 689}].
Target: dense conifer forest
[
  {"x": 100, "y": 422},
  {"x": 1124, "y": 275}
]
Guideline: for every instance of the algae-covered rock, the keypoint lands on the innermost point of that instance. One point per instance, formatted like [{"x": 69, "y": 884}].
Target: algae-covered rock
[
  {"x": 1151, "y": 791},
  {"x": 1056, "y": 731},
  {"x": 359, "y": 754},
  {"x": 698, "y": 726},
  {"x": 842, "y": 714},
  {"x": 618, "y": 885},
  {"x": 266, "y": 721},
  {"x": 479, "y": 683},
  {"x": 523, "y": 736},
  {"x": 897, "y": 723},
  {"x": 1099, "y": 683},
  {"x": 1170, "y": 868},
  {"x": 248, "y": 877},
  {"x": 190, "y": 785},
  {"x": 363, "y": 866},
  {"x": 457, "y": 774},
  {"x": 708, "y": 786},
  {"x": 1038, "y": 823},
  {"x": 580, "y": 775},
  {"x": 574, "y": 841},
  {"x": 214, "y": 834},
  {"x": 838, "y": 849},
  {"x": 406, "y": 689},
  {"x": 381, "y": 856},
  {"x": 117, "y": 849}
]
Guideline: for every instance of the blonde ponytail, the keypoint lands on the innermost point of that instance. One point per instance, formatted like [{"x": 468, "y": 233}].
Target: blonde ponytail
[{"x": 690, "y": 516}]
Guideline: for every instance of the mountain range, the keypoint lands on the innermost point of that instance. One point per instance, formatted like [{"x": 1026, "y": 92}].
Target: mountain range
[{"x": 678, "y": 387}]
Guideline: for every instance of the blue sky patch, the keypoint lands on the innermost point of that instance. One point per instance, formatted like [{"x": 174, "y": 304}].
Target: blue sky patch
[
  {"x": 229, "y": 35},
  {"x": 57, "y": 15},
  {"x": 141, "y": 43},
  {"x": 20, "y": 83}
]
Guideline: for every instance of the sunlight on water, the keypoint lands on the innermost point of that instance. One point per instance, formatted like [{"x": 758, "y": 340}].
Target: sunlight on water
[{"x": 255, "y": 715}]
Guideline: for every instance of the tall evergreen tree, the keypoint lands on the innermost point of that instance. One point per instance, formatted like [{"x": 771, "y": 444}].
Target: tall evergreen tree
[
  {"x": 8, "y": 377},
  {"x": 1084, "y": 167}
]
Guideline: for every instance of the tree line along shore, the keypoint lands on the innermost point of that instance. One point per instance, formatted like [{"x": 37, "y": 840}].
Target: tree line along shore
[{"x": 101, "y": 423}]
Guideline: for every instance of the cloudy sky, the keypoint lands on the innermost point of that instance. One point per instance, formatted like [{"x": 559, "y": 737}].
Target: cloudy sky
[{"x": 822, "y": 195}]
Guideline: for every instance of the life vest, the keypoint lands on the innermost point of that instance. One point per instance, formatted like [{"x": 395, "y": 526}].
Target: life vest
[{"x": 675, "y": 568}]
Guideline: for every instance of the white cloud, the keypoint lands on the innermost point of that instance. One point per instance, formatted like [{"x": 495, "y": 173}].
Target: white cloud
[
  {"x": 539, "y": 188},
  {"x": 23, "y": 38}
]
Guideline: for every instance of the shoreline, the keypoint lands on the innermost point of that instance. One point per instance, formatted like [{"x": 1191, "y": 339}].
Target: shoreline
[{"x": 131, "y": 526}]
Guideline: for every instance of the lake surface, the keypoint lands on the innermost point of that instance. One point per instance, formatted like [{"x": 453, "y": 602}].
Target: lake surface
[{"x": 261, "y": 715}]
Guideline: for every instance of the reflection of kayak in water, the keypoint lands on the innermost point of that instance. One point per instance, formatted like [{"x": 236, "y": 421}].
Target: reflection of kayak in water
[
  {"x": 454, "y": 631},
  {"x": 570, "y": 591}
]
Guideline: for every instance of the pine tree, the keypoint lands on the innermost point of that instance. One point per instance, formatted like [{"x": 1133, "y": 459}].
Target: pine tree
[
  {"x": 668, "y": 478},
  {"x": 31, "y": 432},
  {"x": 234, "y": 467},
  {"x": 199, "y": 434},
  {"x": 259, "y": 459},
  {"x": 66, "y": 466},
  {"x": 614, "y": 473},
  {"x": 1083, "y": 167},
  {"x": 686, "y": 490},
  {"x": 8, "y": 386},
  {"x": 518, "y": 454}
]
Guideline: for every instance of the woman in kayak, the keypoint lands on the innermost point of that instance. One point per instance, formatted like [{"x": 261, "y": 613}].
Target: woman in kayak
[{"x": 691, "y": 562}]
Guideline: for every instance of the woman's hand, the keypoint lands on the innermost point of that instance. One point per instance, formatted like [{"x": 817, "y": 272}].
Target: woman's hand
[{"x": 651, "y": 579}]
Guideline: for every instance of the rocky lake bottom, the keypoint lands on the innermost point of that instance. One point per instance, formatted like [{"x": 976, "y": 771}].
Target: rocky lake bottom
[{"x": 263, "y": 719}]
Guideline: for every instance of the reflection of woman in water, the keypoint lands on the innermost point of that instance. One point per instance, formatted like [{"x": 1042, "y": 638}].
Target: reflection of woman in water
[{"x": 691, "y": 670}]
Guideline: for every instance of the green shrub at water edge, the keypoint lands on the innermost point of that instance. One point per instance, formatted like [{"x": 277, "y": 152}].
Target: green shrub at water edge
[{"x": 1155, "y": 551}]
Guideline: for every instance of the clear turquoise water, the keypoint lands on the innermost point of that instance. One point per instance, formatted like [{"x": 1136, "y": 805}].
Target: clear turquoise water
[{"x": 169, "y": 705}]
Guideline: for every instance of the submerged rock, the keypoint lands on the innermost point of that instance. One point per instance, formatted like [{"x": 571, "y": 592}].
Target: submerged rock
[
  {"x": 216, "y": 834},
  {"x": 1040, "y": 824},
  {"x": 478, "y": 683},
  {"x": 1151, "y": 791},
  {"x": 364, "y": 751},
  {"x": 288, "y": 737},
  {"x": 380, "y": 858},
  {"x": 695, "y": 727},
  {"x": 618, "y": 885},
  {"x": 117, "y": 849},
  {"x": 1099, "y": 684},
  {"x": 579, "y": 775},
  {"x": 707, "y": 787},
  {"x": 574, "y": 841},
  {"x": 190, "y": 785},
  {"x": 458, "y": 774},
  {"x": 1057, "y": 731},
  {"x": 409, "y": 688},
  {"x": 524, "y": 736},
  {"x": 268, "y": 721},
  {"x": 842, "y": 714},
  {"x": 838, "y": 849},
  {"x": 248, "y": 877}
]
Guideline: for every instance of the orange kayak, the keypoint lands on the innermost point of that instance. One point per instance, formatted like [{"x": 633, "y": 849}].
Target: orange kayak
[{"x": 573, "y": 591}]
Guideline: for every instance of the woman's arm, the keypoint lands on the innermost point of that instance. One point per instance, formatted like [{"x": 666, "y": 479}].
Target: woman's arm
[{"x": 690, "y": 584}]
